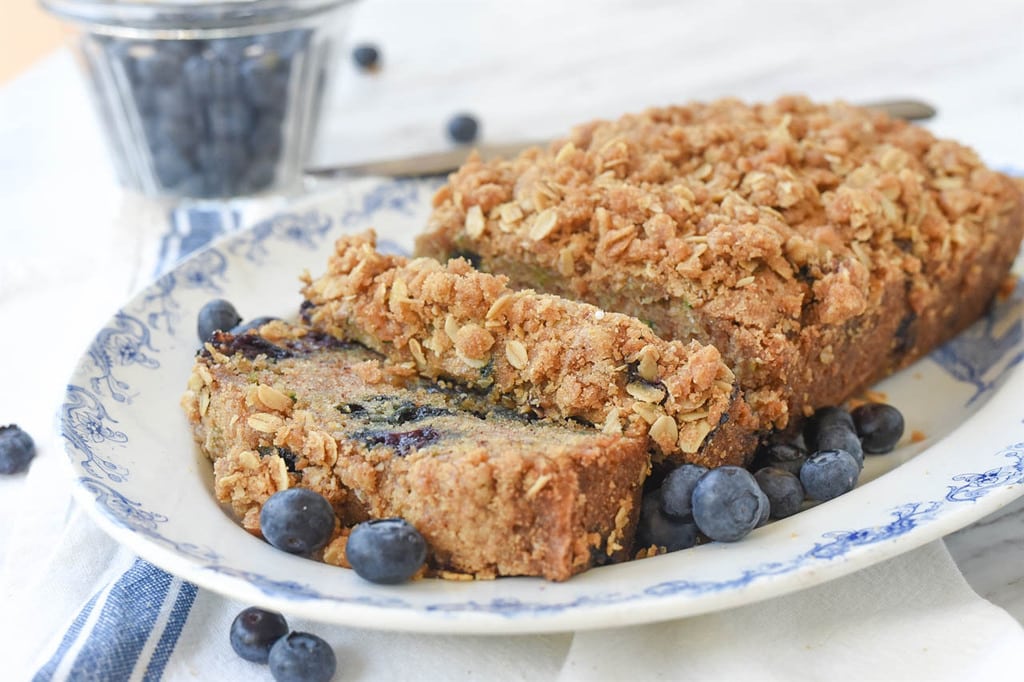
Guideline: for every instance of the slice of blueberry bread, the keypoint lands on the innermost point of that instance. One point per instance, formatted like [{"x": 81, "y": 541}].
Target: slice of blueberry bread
[
  {"x": 553, "y": 356},
  {"x": 494, "y": 492}
]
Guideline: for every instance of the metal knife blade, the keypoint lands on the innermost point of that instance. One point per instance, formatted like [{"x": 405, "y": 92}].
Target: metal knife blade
[{"x": 446, "y": 161}]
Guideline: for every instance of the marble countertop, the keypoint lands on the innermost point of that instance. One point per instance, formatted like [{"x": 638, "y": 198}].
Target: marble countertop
[{"x": 528, "y": 70}]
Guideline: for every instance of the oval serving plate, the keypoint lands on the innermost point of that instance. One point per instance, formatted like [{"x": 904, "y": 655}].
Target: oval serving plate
[{"x": 139, "y": 473}]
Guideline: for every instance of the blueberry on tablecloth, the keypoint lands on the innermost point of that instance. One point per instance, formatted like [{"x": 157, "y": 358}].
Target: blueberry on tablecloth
[
  {"x": 254, "y": 631},
  {"x": 16, "y": 449}
]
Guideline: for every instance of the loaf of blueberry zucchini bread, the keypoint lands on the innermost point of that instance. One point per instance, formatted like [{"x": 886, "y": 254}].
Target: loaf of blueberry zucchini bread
[
  {"x": 817, "y": 246},
  {"x": 534, "y": 352},
  {"x": 494, "y": 492}
]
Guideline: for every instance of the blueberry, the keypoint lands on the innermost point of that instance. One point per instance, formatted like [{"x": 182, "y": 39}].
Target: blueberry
[
  {"x": 828, "y": 474},
  {"x": 823, "y": 417},
  {"x": 765, "y": 512},
  {"x": 463, "y": 128},
  {"x": 209, "y": 77},
  {"x": 366, "y": 56},
  {"x": 196, "y": 74},
  {"x": 217, "y": 314},
  {"x": 179, "y": 131},
  {"x": 170, "y": 165},
  {"x": 229, "y": 119},
  {"x": 297, "y": 520},
  {"x": 254, "y": 323},
  {"x": 264, "y": 84},
  {"x": 783, "y": 489},
  {"x": 386, "y": 551},
  {"x": 144, "y": 97},
  {"x": 661, "y": 530},
  {"x": 254, "y": 631},
  {"x": 174, "y": 100},
  {"x": 677, "y": 489},
  {"x": 840, "y": 437},
  {"x": 403, "y": 442},
  {"x": 781, "y": 456},
  {"x": 728, "y": 504},
  {"x": 302, "y": 657},
  {"x": 879, "y": 425},
  {"x": 16, "y": 449},
  {"x": 266, "y": 137}
]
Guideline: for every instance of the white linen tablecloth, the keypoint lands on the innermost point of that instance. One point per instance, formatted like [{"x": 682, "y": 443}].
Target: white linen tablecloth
[{"x": 79, "y": 607}]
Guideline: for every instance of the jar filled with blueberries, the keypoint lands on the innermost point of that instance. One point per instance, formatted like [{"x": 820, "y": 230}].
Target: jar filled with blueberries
[{"x": 207, "y": 99}]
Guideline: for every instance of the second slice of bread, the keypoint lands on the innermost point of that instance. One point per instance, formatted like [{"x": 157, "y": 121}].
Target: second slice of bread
[{"x": 535, "y": 352}]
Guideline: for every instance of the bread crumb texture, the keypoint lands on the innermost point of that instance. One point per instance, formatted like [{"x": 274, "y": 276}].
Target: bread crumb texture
[{"x": 818, "y": 246}]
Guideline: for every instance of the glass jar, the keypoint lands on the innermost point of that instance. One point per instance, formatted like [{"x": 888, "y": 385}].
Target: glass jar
[{"x": 207, "y": 99}]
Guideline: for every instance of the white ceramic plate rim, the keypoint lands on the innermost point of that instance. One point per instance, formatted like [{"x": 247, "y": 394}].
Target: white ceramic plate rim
[{"x": 972, "y": 471}]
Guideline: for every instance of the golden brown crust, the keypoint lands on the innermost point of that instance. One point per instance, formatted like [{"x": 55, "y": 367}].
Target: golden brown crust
[
  {"x": 493, "y": 494},
  {"x": 819, "y": 247},
  {"x": 557, "y": 357}
]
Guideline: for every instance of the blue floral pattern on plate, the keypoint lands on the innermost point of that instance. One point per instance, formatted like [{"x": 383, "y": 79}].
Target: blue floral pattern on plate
[
  {"x": 137, "y": 365},
  {"x": 982, "y": 354}
]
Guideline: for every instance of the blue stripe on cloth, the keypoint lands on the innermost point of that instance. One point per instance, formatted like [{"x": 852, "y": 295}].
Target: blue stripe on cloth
[
  {"x": 124, "y": 625},
  {"x": 190, "y": 229},
  {"x": 46, "y": 672},
  {"x": 164, "y": 648}
]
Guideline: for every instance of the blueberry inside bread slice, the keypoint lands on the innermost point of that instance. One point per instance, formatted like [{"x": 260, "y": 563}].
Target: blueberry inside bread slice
[
  {"x": 493, "y": 491},
  {"x": 534, "y": 352}
]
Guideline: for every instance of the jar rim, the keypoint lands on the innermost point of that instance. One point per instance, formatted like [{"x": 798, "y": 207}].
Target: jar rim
[{"x": 187, "y": 14}]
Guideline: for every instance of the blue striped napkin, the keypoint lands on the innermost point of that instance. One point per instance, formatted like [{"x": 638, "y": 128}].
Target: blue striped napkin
[
  {"x": 129, "y": 627},
  {"x": 132, "y": 624}
]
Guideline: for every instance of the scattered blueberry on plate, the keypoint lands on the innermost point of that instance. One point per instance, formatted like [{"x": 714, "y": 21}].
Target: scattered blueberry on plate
[
  {"x": 880, "y": 426},
  {"x": 783, "y": 489},
  {"x": 254, "y": 323},
  {"x": 829, "y": 474},
  {"x": 16, "y": 449},
  {"x": 659, "y": 529},
  {"x": 297, "y": 520},
  {"x": 386, "y": 551},
  {"x": 822, "y": 418},
  {"x": 728, "y": 504},
  {"x": 677, "y": 489},
  {"x": 840, "y": 437},
  {"x": 216, "y": 315},
  {"x": 788, "y": 456}
]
